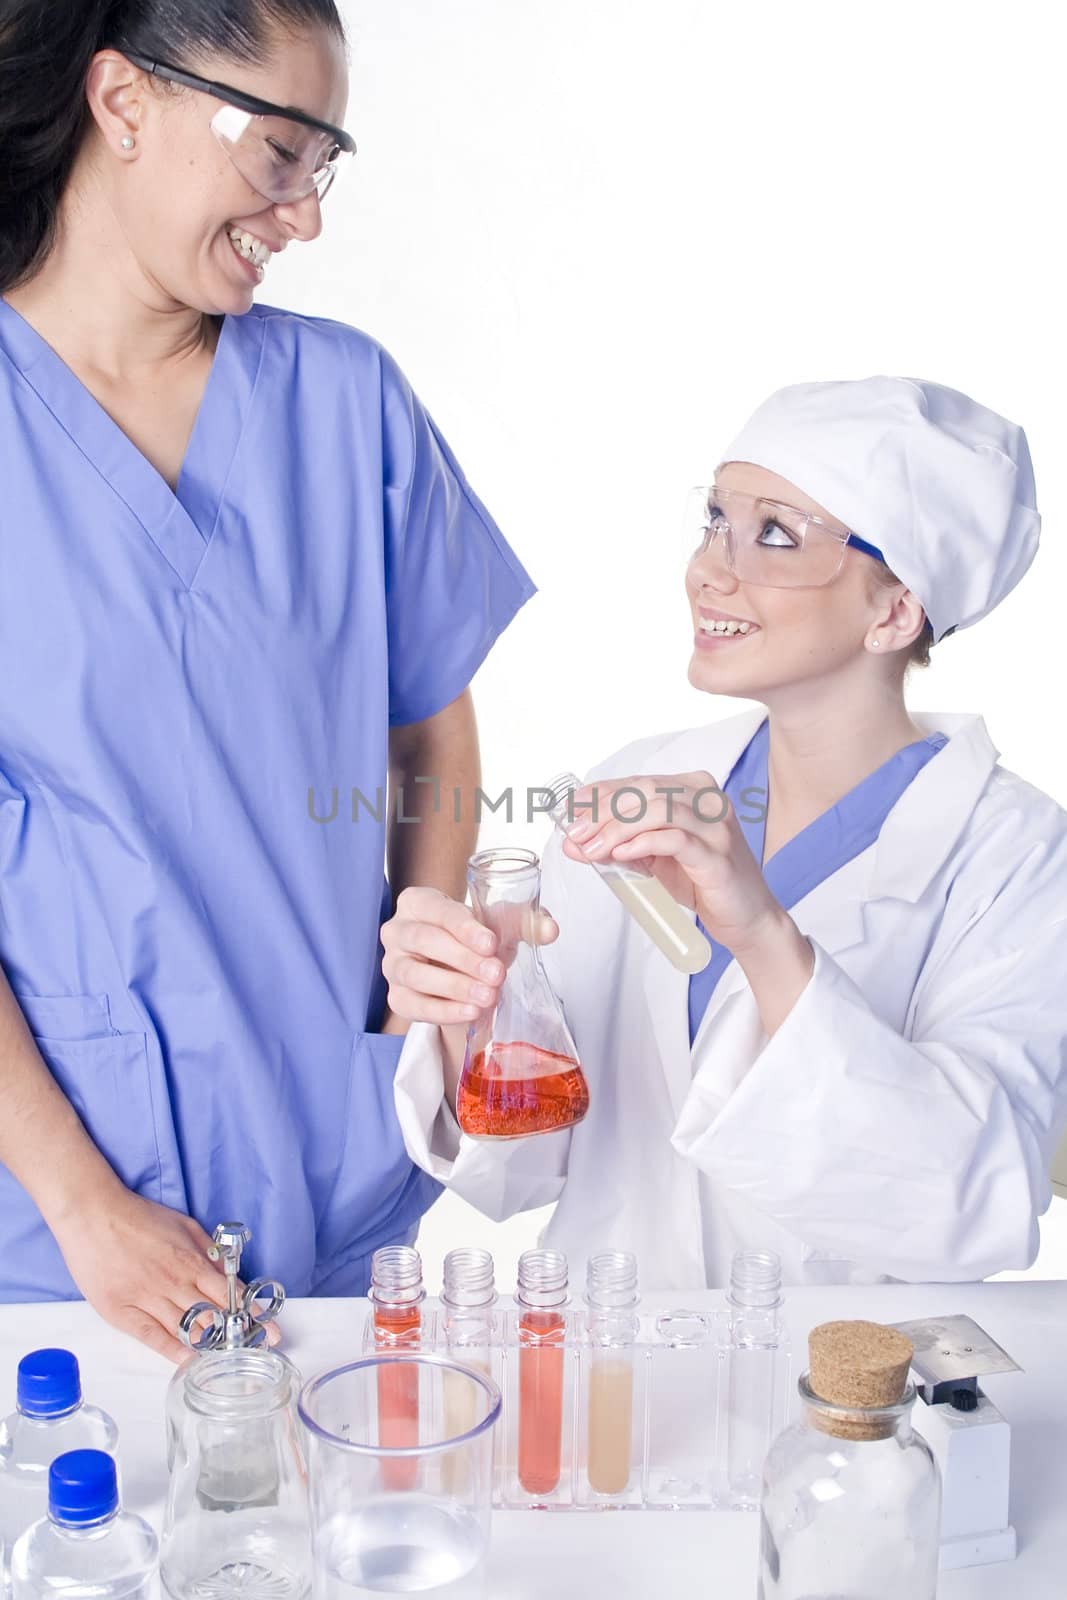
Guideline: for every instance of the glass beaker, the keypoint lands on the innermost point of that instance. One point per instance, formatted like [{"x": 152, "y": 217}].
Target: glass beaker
[
  {"x": 374, "y": 1532},
  {"x": 521, "y": 1073},
  {"x": 236, "y": 1516}
]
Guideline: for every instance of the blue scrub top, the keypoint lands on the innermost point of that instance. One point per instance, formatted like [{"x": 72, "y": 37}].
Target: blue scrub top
[
  {"x": 824, "y": 846},
  {"x": 193, "y": 686}
]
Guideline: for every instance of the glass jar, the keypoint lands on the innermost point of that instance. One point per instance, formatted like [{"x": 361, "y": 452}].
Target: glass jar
[
  {"x": 236, "y": 1520},
  {"x": 851, "y": 1506}
]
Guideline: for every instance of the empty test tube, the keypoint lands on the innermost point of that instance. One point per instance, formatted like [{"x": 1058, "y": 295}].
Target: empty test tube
[{"x": 467, "y": 1299}]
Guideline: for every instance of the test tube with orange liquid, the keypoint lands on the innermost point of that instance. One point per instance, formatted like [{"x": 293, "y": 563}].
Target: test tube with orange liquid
[{"x": 396, "y": 1296}]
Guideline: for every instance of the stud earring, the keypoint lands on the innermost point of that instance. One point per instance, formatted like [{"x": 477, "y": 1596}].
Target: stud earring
[
  {"x": 875, "y": 644},
  {"x": 128, "y": 142}
]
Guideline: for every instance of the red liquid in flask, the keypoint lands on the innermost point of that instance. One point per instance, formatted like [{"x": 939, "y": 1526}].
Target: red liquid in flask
[{"x": 515, "y": 1089}]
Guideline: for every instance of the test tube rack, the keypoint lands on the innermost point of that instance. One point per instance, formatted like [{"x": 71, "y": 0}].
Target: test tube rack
[{"x": 680, "y": 1362}]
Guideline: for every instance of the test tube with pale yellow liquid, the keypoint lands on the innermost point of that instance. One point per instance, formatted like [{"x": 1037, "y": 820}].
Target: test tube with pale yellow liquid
[
  {"x": 611, "y": 1295},
  {"x": 669, "y": 926}
]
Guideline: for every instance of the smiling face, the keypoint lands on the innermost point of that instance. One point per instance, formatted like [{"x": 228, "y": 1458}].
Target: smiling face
[
  {"x": 200, "y": 233},
  {"x": 788, "y": 637}
]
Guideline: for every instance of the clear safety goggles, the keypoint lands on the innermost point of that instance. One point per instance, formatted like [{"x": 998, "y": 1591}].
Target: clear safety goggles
[
  {"x": 765, "y": 542},
  {"x": 283, "y": 153}
]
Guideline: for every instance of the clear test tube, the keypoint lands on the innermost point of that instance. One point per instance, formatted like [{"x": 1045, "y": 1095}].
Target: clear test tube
[
  {"x": 754, "y": 1374},
  {"x": 468, "y": 1323},
  {"x": 541, "y": 1296},
  {"x": 396, "y": 1295},
  {"x": 611, "y": 1295},
  {"x": 670, "y": 927}
]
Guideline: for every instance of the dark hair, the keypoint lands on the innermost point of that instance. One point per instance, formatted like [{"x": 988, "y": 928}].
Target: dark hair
[
  {"x": 920, "y": 647},
  {"x": 46, "y": 47}
]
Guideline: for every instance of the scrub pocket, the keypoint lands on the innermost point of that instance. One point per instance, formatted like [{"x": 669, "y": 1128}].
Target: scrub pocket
[
  {"x": 121, "y": 1101},
  {"x": 372, "y": 1192}
]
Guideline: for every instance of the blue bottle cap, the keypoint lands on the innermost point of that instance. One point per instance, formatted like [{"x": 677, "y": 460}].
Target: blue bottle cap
[
  {"x": 49, "y": 1383},
  {"x": 82, "y": 1487}
]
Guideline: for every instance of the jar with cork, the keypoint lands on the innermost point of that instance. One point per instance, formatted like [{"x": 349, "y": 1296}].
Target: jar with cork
[{"x": 851, "y": 1498}]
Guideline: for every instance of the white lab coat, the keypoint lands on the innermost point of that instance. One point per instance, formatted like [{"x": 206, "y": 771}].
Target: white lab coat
[{"x": 901, "y": 1121}]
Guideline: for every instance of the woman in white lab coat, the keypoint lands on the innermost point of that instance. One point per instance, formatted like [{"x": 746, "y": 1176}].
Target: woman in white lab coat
[{"x": 870, "y": 1076}]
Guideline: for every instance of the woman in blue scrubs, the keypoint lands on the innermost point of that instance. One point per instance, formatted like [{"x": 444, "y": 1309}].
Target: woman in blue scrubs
[{"x": 242, "y": 580}]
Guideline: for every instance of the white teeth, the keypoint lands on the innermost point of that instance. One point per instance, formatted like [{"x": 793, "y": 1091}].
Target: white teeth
[
  {"x": 248, "y": 246},
  {"x": 723, "y": 627}
]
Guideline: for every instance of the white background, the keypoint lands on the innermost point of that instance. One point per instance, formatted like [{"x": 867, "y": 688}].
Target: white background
[{"x": 596, "y": 233}]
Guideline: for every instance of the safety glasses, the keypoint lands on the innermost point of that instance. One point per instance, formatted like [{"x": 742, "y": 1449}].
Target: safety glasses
[
  {"x": 283, "y": 153},
  {"x": 765, "y": 542}
]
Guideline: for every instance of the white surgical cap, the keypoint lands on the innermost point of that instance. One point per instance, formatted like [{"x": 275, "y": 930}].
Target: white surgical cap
[{"x": 941, "y": 486}]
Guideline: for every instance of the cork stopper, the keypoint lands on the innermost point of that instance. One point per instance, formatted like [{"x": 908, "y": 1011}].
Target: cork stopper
[{"x": 859, "y": 1366}]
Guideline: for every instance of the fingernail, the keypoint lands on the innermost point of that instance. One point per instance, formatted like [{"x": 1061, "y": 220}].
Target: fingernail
[
  {"x": 482, "y": 992},
  {"x": 470, "y": 1012},
  {"x": 580, "y": 831},
  {"x": 490, "y": 970},
  {"x": 596, "y": 848},
  {"x": 485, "y": 941}
]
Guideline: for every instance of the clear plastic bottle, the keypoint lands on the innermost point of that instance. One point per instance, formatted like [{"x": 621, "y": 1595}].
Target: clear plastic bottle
[
  {"x": 611, "y": 1295},
  {"x": 87, "y": 1547},
  {"x": 754, "y": 1376},
  {"x": 851, "y": 1505},
  {"x": 51, "y": 1419},
  {"x": 541, "y": 1296},
  {"x": 670, "y": 927},
  {"x": 396, "y": 1296},
  {"x": 521, "y": 1073}
]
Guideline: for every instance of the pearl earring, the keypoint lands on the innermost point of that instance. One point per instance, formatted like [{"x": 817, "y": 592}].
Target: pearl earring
[
  {"x": 128, "y": 143},
  {"x": 874, "y": 644}
]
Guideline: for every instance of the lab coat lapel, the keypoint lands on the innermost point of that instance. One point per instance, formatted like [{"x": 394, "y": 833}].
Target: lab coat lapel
[{"x": 916, "y": 837}]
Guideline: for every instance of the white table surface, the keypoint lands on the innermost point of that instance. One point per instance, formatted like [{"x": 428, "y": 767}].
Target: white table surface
[{"x": 647, "y": 1555}]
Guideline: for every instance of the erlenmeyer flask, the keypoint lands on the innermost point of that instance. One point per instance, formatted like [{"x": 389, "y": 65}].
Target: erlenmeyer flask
[{"x": 521, "y": 1073}]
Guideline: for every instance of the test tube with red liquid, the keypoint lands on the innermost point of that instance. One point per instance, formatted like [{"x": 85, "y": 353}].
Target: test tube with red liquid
[
  {"x": 541, "y": 1296},
  {"x": 521, "y": 1074},
  {"x": 396, "y": 1295}
]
